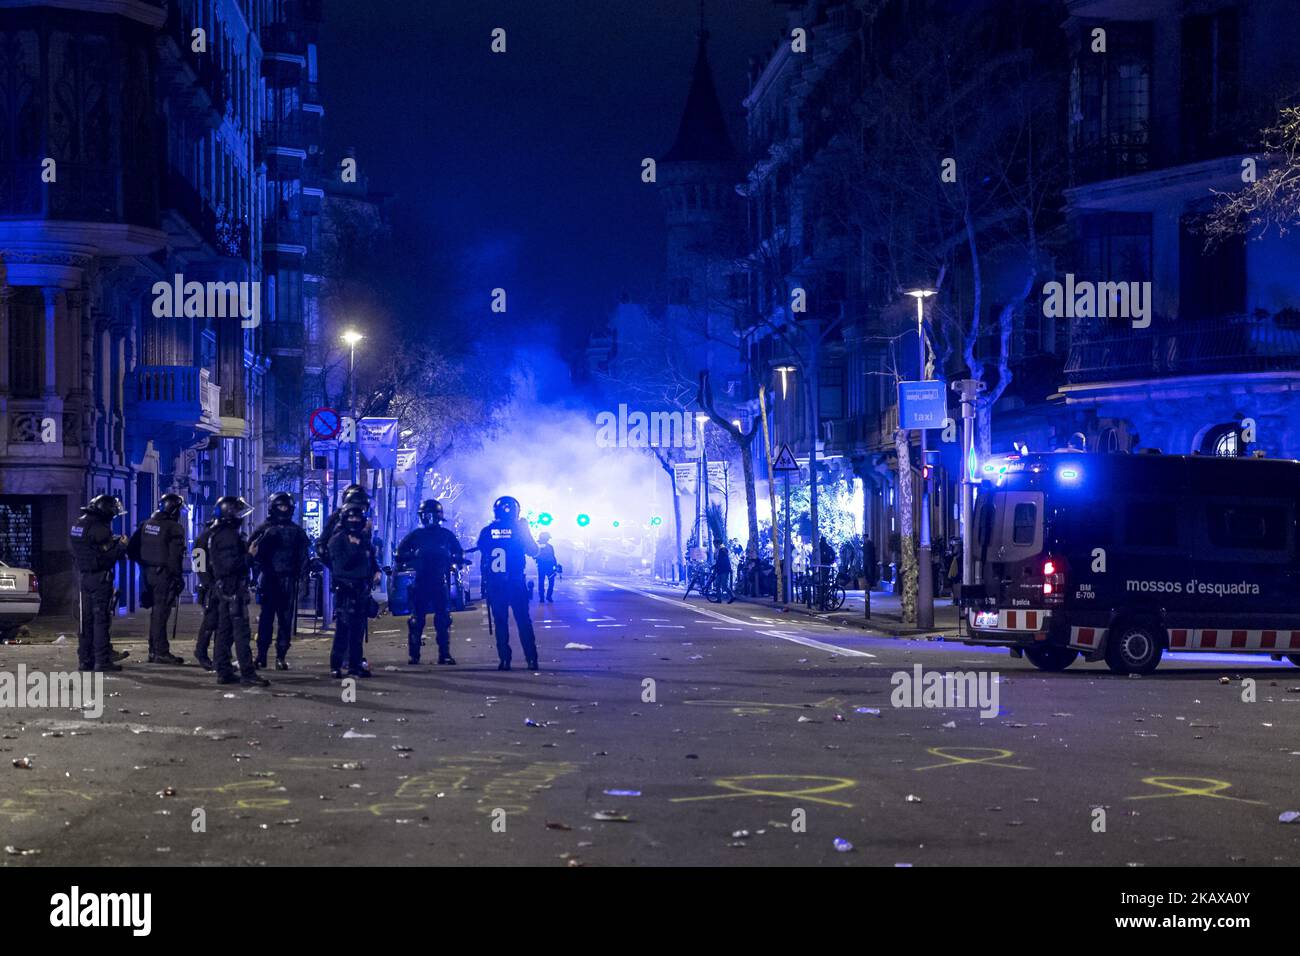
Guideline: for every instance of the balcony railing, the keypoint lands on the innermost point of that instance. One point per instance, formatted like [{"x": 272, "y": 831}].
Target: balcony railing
[
  {"x": 85, "y": 193},
  {"x": 1238, "y": 344},
  {"x": 176, "y": 394},
  {"x": 228, "y": 237}
]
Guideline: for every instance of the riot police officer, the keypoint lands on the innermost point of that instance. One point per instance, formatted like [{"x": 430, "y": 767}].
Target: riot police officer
[
  {"x": 504, "y": 546},
  {"x": 229, "y": 562},
  {"x": 548, "y": 566},
  {"x": 431, "y": 551},
  {"x": 353, "y": 572},
  {"x": 158, "y": 546},
  {"x": 353, "y": 496},
  {"x": 279, "y": 550},
  {"x": 207, "y": 596},
  {"x": 95, "y": 549}
]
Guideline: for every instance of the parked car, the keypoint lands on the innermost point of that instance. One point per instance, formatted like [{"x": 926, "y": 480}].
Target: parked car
[{"x": 20, "y": 598}]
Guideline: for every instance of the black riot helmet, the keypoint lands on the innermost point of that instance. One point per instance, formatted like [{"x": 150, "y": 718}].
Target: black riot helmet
[
  {"x": 353, "y": 517},
  {"x": 506, "y": 508},
  {"x": 231, "y": 509},
  {"x": 170, "y": 505},
  {"x": 107, "y": 507},
  {"x": 354, "y": 496},
  {"x": 431, "y": 511},
  {"x": 281, "y": 506}
]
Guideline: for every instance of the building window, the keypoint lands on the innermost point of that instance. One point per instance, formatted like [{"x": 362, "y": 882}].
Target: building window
[
  {"x": 1110, "y": 98},
  {"x": 1210, "y": 70},
  {"x": 1116, "y": 246},
  {"x": 26, "y": 343}
]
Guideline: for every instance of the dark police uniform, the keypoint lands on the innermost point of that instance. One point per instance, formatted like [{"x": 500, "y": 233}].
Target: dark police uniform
[
  {"x": 281, "y": 557},
  {"x": 503, "y": 549},
  {"x": 207, "y": 598},
  {"x": 228, "y": 562},
  {"x": 95, "y": 549},
  {"x": 547, "y": 566},
  {"x": 352, "y": 571},
  {"x": 159, "y": 546},
  {"x": 430, "y": 551}
]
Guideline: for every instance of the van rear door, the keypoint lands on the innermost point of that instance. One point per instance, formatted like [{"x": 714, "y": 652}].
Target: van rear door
[{"x": 1012, "y": 548}]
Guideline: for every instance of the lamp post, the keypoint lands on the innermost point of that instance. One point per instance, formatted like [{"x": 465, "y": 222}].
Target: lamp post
[
  {"x": 351, "y": 337},
  {"x": 702, "y": 419},
  {"x": 787, "y": 547},
  {"x": 925, "y": 581}
]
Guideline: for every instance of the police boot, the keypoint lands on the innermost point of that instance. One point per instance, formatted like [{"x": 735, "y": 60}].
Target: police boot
[
  {"x": 532, "y": 664},
  {"x": 206, "y": 663},
  {"x": 259, "y": 660},
  {"x": 281, "y": 664},
  {"x": 120, "y": 656},
  {"x": 251, "y": 679},
  {"x": 444, "y": 657},
  {"x": 228, "y": 678},
  {"x": 336, "y": 674},
  {"x": 165, "y": 659},
  {"x": 503, "y": 666},
  {"x": 106, "y": 668}
]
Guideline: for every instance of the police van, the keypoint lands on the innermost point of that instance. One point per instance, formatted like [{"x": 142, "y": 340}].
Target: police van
[{"x": 1125, "y": 558}]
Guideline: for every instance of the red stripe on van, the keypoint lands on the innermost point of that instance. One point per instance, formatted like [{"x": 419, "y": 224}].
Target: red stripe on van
[
  {"x": 1295, "y": 639},
  {"x": 1178, "y": 639},
  {"x": 1209, "y": 639},
  {"x": 1087, "y": 635},
  {"x": 1011, "y": 619},
  {"x": 1031, "y": 620},
  {"x": 1238, "y": 638},
  {"x": 1268, "y": 639}
]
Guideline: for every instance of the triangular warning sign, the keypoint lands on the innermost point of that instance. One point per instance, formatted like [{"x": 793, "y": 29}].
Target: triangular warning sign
[{"x": 785, "y": 460}]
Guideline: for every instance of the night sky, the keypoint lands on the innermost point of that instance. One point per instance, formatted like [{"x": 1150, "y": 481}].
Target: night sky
[{"x": 522, "y": 170}]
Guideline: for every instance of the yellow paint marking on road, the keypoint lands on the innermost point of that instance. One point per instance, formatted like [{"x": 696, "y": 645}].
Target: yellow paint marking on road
[
  {"x": 949, "y": 754},
  {"x": 739, "y": 785},
  {"x": 1211, "y": 789},
  {"x": 379, "y": 809}
]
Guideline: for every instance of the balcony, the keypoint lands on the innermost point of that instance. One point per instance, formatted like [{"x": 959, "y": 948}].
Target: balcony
[
  {"x": 85, "y": 193},
  {"x": 178, "y": 398},
  {"x": 227, "y": 237},
  {"x": 1235, "y": 345}
]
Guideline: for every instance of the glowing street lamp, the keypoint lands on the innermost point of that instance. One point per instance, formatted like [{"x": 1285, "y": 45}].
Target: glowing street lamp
[
  {"x": 350, "y": 338},
  {"x": 784, "y": 370},
  {"x": 925, "y": 589}
]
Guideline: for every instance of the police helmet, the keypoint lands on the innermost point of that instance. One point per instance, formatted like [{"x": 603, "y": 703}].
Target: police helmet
[
  {"x": 431, "y": 511},
  {"x": 281, "y": 505},
  {"x": 356, "y": 496},
  {"x": 171, "y": 504},
  {"x": 544, "y": 537},
  {"x": 506, "y": 508},
  {"x": 232, "y": 508},
  {"x": 106, "y": 506},
  {"x": 352, "y": 515}
]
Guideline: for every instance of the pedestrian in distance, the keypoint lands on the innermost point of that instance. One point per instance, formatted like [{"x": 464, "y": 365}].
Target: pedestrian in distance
[
  {"x": 158, "y": 547},
  {"x": 433, "y": 553},
  {"x": 95, "y": 551},
  {"x": 505, "y": 546},
  {"x": 279, "y": 549}
]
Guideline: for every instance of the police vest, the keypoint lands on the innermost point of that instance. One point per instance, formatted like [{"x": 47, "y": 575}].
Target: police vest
[
  {"x": 156, "y": 536},
  {"x": 88, "y": 537}
]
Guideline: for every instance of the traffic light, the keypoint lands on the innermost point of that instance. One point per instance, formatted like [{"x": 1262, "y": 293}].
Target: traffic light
[
  {"x": 656, "y": 521},
  {"x": 584, "y": 520},
  {"x": 544, "y": 518},
  {"x": 615, "y": 524}
]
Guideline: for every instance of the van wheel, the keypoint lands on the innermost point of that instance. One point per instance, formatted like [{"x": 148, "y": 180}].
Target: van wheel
[
  {"x": 1051, "y": 657},
  {"x": 1133, "y": 648}
]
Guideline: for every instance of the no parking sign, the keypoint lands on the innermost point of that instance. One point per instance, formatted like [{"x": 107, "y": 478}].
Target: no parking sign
[{"x": 325, "y": 423}]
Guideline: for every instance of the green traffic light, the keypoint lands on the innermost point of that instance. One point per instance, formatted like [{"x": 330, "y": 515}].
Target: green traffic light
[
  {"x": 615, "y": 524},
  {"x": 544, "y": 518},
  {"x": 584, "y": 520},
  {"x": 656, "y": 521}
]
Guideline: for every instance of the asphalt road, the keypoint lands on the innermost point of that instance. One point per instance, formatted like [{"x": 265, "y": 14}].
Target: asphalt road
[{"x": 755, "y": 744}]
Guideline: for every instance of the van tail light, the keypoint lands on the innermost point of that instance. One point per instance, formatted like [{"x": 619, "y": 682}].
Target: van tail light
[
  {"x": 32, "y": 586},
  {"x": 1053, "y": 581}
]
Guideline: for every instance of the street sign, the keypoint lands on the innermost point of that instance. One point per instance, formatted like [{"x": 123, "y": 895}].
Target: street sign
[
  {"x": 685, "y": 477},
  {"x": 785, "y": 460},
  {"x": 921, "y": 405},
  {"x": 324, "y": 423}
]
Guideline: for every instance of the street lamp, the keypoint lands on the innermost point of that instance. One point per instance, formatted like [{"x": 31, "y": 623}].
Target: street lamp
[
  {"x": 925, "y": 584},
  {"x": 350, "y": 338},
  {"x": 784, "y": 370}
]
